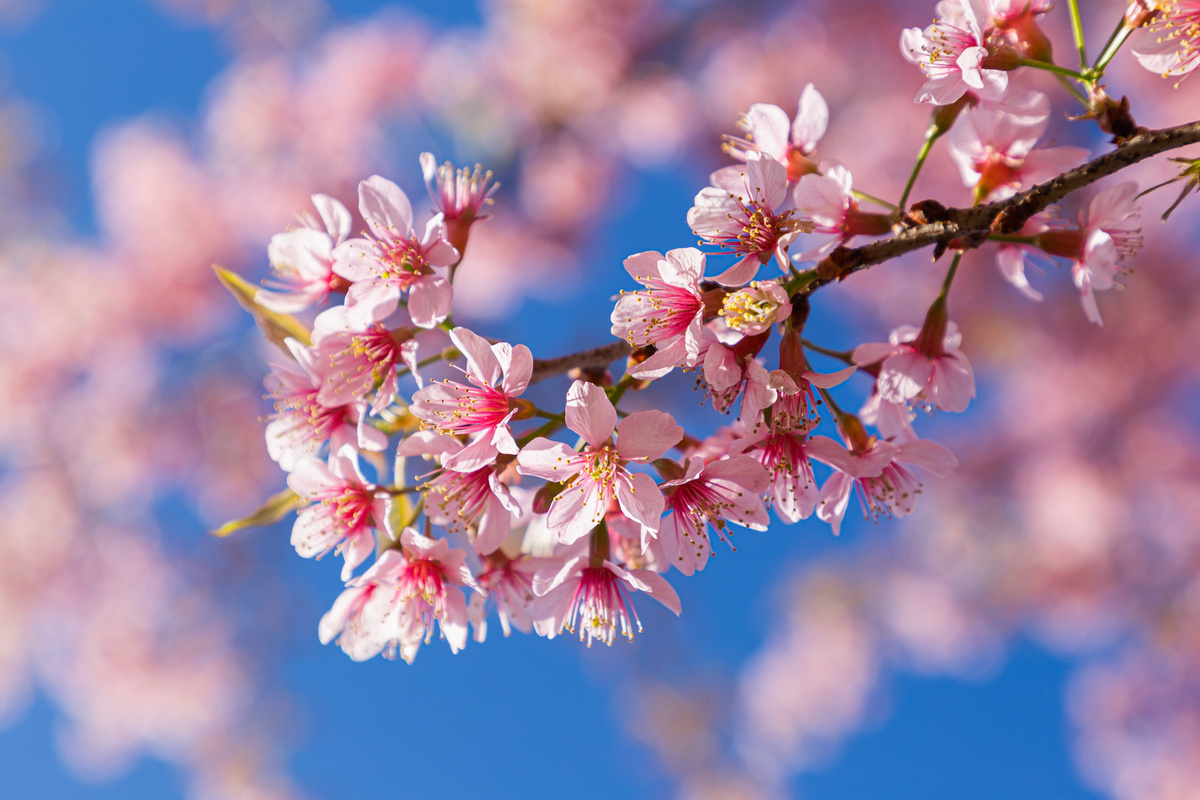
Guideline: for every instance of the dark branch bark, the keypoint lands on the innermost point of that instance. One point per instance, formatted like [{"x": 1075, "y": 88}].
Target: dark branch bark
[
  {"x": 1004, "y": 216},
  {"x": 597, "y": 357}
]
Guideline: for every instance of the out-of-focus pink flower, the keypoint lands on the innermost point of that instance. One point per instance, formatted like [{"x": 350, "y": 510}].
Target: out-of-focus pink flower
[
  {"x": 394, "y": 260},
  {"x": 499, "y": 373},
  {"x": 1108, "y": 234},
  {"x": 596, "y": 475},
  {"x": 993, "y": 147},
  {"x": 708, "y": 496},
  {"x": 921, "y": 368},
  {"x": 303, "y": 258},
  {"x": 769, "y": 131},
  {"x": 347, "y": 509},
  {"x": 668, "y": 314},
  {"x": 740, "y": 213},
  {"x": 951, "y": 53},
  {"x": 1170, "y": 45},
  {"x": 597, "y": 598}
]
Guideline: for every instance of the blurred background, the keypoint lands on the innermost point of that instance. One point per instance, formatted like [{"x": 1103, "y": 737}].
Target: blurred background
[{"x": 1033, "y": 630}]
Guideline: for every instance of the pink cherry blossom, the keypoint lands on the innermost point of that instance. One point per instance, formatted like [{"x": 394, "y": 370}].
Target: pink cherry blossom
[
  {"x": 347, "y": 509},
  {"x": 829, "y": 203},
  {"x": 769, "y": 131},
  {"x": 668, "y": 315},
  {"x": 781, "y": 448},
  {"x": 498, "y": 373},
  {"x": 880, "y": 471},
  {"x": 596, "y": 598},
  {"x": 1108, "y": 234},
  {"x": 393, "y": 260},
  {"x": 740, "y": 214},
  {"x": 951, "y": 53},
  {"x": 706, "y": 497},
  {"x": 596, "y": 474},
  {"x": 920, "y": 368},
  {"x": 508, "y": 583},
  {"x": 301, "y": 424},
  {"x": 302, "y": 259},
  {"x": 461, "y": 196},
  {"x": 361, "y": 361},
  {"x": 1170, "y": 44},
  {"x": 993, "y": 147},
  {"x": 756, "y": 308}
]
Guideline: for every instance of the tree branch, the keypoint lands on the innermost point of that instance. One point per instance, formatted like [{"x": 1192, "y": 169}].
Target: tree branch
[
  {"x": 597, "y": 357},
  {"x": 1002, "y": 217}
]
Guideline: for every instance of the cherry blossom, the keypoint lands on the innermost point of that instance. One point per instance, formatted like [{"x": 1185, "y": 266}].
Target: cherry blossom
[
  {"x": 769, "y": 131},
  {"x": 922, "y": 366},
  {"x": 596, "y": 475},
  {"x": 461, "y": 196},
  {"x": 361, "y": 361},
  {"x": 302, "y": 258},
  {"x": 1170, "y": 44},
  {"x": 952, "y": 52},
  {"x": 668, "y": 315},
  {"x": 393, "y": 260},
  {"x": 828, "y": 202},
  {"x": 347, "y": 509},
  {"x": 755, "y": 308}
]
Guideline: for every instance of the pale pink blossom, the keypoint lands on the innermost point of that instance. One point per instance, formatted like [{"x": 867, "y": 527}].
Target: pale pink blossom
[
  {"x": 756, "y": 308},
  {"x": 880, "y": 471},
  {"x": 596, "y": 598},
  {"x": 707, "y": 496},
  {"x": 462, "y": 196},
  {"x": 1108, "y": 234},
  {"x": 301, "y": 425},
  {"x": 361, "y": 361},
  {"x": 597, "y": 474},
  {"x": 1170, "y": 44},
  {"x": 302, "y": 258},
  {"x": 393, "y": 260},
  {"x": 782, "y": 450},
  {"x": 892, "y": 420},
  {"x": 498, "y": 374},
  {"x": 740, "y": 213},
  {"x": 828, "y": 202},
  {"x": 951, "y": 52},
  {"x": 668, "y": 315},
  {"x": 993, "y": 147},
  {"x": 768, "y": 130},
  {"x": 508, "y": 584},
  {"x": 921, "y": 368},
  {"x": 346, "y": 509}
]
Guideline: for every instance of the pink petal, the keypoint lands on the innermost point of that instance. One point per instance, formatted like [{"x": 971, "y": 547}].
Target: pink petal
[
  {"x": 590, "y": 413},
  {"x": 641, "y": 500},
  {"x": 385, "y": 208},
  {"x": 481, "y": 360},
  {"x": 547, "y": 460},
  {"x": 928, "y": 455},
  {"x": 429, "y": 301},
  {"x": 646, "y": 435},
  {"x": 812, "y": 118}
]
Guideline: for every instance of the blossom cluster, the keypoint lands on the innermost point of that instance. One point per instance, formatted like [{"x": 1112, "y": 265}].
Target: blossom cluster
[{"x": 468, "y": 504}]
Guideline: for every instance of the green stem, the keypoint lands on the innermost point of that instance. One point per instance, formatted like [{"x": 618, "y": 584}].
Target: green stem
[
  {"x": 950, "y": 273},
  {"x": 1074, "y": 90},
  {"x": 1077, "y": 32},
  {"x": 538, "y": 412},
  {"x": 617, "y": 392},
  {"x": 870, "y": 198},
  {"x": 1119, "y": 35},
  {"x": 422, "y": 363},
  {"x": 931, "y": 136},
  {"x": 545, "y": 430},
  {"x": 1073, "y": 73},
  {"x": 841, "y": 355}
]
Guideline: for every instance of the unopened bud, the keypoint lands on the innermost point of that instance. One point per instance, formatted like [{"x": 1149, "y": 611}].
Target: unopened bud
[{"x": 1001, "y": 57}]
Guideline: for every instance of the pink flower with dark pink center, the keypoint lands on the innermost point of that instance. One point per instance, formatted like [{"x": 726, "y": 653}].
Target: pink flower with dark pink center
[
  {"x": 498, "y": 374},
  {"x": 668, "y": 315},
  {"x": 880, "y": 471},
  {"x": 922, "y": 368},
  {"x": 768, "y": 130},
  {"x": 347, "y": 509},
  {"x": 706, "y": 497},
  {"x": 1170, "y": 44},
  {"x": 301, "y": 424},
  {"x": 596, "y": 599},
  {"x": 302, "y": 259},
  {"x": 508, "y": 583},
  {"x": 392, "y": 260},
  {"x": 740, "y": 214},
  {"x": 361, "y": 361},
  {"x": 952, "y": 53},
  {"x": 597, "y": 475}
]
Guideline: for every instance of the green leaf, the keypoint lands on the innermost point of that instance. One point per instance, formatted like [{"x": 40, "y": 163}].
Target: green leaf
[
  {"x": 277, "y": 507},
  {"x": 275, "y": 326}
]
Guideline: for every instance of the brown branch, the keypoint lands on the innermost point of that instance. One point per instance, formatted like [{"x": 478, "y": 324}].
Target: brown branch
[
  {"x": 596, "y": 358},
  {"x": 1002, "y": 217}
]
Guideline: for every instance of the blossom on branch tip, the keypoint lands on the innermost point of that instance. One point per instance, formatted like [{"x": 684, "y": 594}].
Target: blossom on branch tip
[
  {"x": 769, "y": 131},
  {"x": 828, "y": 202},
  {"x": 952, "y": 53},
  {"x": 302, "y": 259},
  {"x": 461, "y": 195},
  {"x": 668, "y": 315}
]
